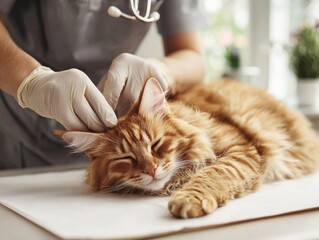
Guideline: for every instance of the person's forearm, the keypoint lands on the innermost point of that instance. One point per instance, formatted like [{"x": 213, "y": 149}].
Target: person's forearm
[
  {"x": 184, "y": 59},
  {"x": 15, "y": 64},
  {"x": 187, "y": 68}
]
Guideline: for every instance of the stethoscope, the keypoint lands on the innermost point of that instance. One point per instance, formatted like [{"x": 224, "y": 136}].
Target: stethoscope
[{"x": 149, "y": 17}]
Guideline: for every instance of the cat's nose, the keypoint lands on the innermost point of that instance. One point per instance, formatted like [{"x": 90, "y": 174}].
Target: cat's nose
[{"x": 151, "y": 171}]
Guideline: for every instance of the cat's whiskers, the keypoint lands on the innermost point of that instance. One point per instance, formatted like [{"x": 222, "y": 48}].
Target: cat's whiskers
[
  {"x": 183, "y": 153},
  {"x": 129, "y": 190},
  {"x": 115, "y": 188},
  {"x": 166, "y": 166},
  {"x": 125, "y": 184},
  {"x": 135, "y": 181}
]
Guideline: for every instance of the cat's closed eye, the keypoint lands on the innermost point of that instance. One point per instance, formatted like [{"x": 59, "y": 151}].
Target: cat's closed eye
[
  {"x": 123, "y": 162},
  {"x": 156, "y": 145}
]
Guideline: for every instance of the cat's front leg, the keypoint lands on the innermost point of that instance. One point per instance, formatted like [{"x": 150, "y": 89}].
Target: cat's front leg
[
  {"x": 190, "y": 204},
  {"x": 234, "y": 174}
]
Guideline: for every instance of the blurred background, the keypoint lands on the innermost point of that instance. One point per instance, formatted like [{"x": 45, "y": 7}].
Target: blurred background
[{"x": 252, "y": 40}]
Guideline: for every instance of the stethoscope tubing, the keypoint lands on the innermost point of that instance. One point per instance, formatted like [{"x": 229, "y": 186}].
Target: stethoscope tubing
[{"x": 147, "y": 18}]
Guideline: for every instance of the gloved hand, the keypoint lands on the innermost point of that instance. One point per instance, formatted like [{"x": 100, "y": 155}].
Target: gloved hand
[
  {"x": 68, "y": 97},
  {"x": 122, "y": 84}
]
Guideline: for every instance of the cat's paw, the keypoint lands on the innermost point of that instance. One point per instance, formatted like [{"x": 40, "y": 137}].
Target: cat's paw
[{"x": 184, "y": 205}]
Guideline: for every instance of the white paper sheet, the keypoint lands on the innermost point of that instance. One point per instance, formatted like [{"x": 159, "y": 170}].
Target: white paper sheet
[{"x": 60, "y": 203}]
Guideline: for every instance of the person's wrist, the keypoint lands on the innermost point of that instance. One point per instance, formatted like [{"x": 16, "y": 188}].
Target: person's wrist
[
  {"x": 41, "y": 70},
  {"x": 23, "y": 65}
]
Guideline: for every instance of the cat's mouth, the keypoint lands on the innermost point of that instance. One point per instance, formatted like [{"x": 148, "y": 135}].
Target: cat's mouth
[{"x": 157, "y": 183}]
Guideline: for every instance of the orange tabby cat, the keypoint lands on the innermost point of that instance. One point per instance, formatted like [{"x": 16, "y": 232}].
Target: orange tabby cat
[{"x": 215, "y": 142}]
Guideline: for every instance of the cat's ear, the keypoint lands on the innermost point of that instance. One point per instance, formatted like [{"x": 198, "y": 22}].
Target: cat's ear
[
  {"x": 153, "y": 98},
  {"x": 79, "y": 141}
]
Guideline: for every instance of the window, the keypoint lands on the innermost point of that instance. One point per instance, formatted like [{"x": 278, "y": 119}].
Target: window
[
  {"x": 286, "y": 16},
  {"x": 263, "y": 31}
]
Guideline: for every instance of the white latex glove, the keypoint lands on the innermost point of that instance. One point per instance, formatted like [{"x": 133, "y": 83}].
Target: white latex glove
[
  {"x": 68, "y": 97},
  {"x": 124, "y": 81}
]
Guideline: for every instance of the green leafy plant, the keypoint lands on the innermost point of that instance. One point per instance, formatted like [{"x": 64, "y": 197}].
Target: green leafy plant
[
  {"x": 232, "y": 57},
  {"x": 305, "y": 53}
]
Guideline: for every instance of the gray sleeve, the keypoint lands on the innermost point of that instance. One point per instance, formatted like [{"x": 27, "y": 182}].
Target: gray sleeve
[
  {"x": 181, "y": 16},
  {"x": 5, "y": 5}
]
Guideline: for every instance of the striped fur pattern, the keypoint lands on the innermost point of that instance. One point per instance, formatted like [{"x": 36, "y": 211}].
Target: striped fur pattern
[{"x": 207, "y": 146}]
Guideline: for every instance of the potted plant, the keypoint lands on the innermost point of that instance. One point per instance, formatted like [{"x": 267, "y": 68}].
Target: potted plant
[
  {"x": 233, "y": 62},
  {"x": 305, "y": 64}
]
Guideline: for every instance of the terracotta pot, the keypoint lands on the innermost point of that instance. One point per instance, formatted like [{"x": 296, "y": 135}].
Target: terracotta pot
[{"x": 308, "y": 92}]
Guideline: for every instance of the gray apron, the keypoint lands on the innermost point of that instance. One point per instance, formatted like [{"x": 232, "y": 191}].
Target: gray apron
[{"x": 63, "y": 34}]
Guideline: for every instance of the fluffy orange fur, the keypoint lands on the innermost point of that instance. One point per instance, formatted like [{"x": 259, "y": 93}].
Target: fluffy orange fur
[{"x": 208, "y": 145}]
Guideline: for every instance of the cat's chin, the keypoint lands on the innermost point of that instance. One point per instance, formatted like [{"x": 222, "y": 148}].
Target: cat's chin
[{"x": 156, "y": 185}]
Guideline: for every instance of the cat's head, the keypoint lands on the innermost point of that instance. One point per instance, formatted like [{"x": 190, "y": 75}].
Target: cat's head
[{"x": 144, "y": 150}]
